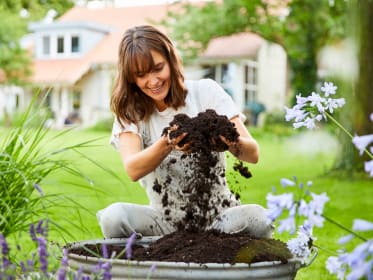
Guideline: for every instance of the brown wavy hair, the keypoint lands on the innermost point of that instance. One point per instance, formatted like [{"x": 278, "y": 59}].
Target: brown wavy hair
[{"x": 128, "y": 102}]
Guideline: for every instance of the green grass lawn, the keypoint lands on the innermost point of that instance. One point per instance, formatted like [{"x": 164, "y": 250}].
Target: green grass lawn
[{"x": 280, "y": 157}]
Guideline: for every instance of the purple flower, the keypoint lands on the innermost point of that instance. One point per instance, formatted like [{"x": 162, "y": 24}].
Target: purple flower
[
  {"x": 78, "y": 274},
  {"x": 4, "y": 252},
  {"x": 151, "y": 270},
  {"x": 313, "y": 108},
  {"x": 361, "y": 142},
  {"x": 129, "y": 244},
  {"x": 286, "y": 182},
  {"x": 345, "y": 239},
  {"x": 288, "y": 225},
  {"x": 368, "y": 167},
  {"x": 318, "y": 202},
  {"x": 106, "y": 267},
  {"x": 362, "y": 225},
  {"x": 335, "y": 266},
  {"x": 31, "y": 262},
  {"x": 23, "y": 267},
  {"x": 277, "y": 203},
  {"x": 153, "y": 267},
  {"x": 328, "y": 89},
  {"x": 38, "y": 188},
  {"x": 299, "y": 246},
  {"x": 32, "y": 232},
  {"x": 43, "y": 254},
  {"x": 295, "y": 113},
  {"x": 42, "y": 230},
  {"x": 105, "y": 253}
]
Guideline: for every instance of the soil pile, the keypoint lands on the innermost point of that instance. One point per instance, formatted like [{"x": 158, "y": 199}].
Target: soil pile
[{"x": 205, "y": 247}]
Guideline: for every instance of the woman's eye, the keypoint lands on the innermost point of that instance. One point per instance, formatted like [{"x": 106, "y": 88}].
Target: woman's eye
[{"x": 158, "y": 68}]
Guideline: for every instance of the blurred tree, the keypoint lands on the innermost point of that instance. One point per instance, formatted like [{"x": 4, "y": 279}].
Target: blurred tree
[
  {"x": 302, "y": 27},
  {"x": 15, "y": 15},
  {"x": 355, "y": 116}
]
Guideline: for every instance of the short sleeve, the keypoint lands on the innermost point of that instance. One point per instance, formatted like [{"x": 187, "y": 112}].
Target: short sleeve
[
  {"x": 213, "y": 96},
  {"x": 118, "y": 129}
]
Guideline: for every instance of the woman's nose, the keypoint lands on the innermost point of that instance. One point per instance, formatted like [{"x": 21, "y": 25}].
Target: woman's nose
[{"x": 153, "y": 79}]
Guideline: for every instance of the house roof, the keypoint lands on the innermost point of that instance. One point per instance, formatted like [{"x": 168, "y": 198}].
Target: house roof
[
  {"x": 118, "y": 19},
  {"x": 239, "y": 45},
  {"x": 69, "y": 71}
]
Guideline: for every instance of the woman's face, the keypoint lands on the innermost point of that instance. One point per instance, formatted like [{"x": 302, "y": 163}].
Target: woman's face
[{"x": 156, "y": 83}]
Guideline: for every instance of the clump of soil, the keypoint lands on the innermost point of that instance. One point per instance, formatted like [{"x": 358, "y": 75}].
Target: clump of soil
[
  {"x": 205, "y": 247},
  {"x": 204, "y": 131},
  {"x": 203, "y": 139},
  {"x": 244, "y": 170}
]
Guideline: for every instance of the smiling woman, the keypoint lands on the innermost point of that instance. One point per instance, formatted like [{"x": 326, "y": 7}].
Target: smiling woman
[{"x": 150, "y": 92}]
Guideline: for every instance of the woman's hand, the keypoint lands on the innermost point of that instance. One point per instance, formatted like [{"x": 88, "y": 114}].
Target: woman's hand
[{"x": 175, "y": 141}]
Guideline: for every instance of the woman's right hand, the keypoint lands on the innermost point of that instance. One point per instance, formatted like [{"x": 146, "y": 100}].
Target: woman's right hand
[{"x": 175, "y": 141}]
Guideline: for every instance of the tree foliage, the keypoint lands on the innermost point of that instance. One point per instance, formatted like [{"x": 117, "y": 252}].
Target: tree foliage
[
  {"x": 14, "y": 60},
  {"x": 301, "y": 27}
]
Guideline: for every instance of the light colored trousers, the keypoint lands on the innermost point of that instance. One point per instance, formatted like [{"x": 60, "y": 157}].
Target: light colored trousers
[{"x": 122, "y": 219}]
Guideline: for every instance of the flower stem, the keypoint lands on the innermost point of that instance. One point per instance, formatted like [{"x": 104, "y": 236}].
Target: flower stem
[
  {"x": 339, "y": 125},
  {"x": 344, "y": 228},
  {"x": 347, "y": 132},
  {"x": 324, "y": 249}
]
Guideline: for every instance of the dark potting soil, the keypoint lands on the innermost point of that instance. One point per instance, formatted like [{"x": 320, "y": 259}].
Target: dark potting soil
[
  {"x": 204, "y": 131},
  {"x": 203, "y": 138},
  {"x": 205, "y": 247}
]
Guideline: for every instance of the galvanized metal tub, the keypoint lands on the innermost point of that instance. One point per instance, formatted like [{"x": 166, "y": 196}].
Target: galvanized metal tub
[{"x": 124, "y": 269}]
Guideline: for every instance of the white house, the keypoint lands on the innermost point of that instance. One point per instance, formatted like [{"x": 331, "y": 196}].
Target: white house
[
  {"x": 75, "y": 61},
  {"x": 251, "y": 69}
]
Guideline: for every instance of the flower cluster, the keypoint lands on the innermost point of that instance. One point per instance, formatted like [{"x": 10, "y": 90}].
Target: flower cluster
[
  {"x": 37, "y": 267},
  {"x": 309, "y": 206},
  {"x": 357, "y": 264},
  {"x": 314, "y": 108},
  {"x": 359, "y": 261}
]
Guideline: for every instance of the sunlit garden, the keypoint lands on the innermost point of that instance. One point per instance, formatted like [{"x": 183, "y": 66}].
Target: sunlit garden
[
  {"x": 76, "y": 172},
  {"x": 315, "y": 170}
]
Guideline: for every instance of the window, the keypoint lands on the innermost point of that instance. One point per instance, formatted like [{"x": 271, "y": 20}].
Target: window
[
  {"x": 76, "y": 100},
  {"x": 209, "y": 72},
  {"x": 46, "y": 45},
  {"x": 250, "y": 81},
  {"x": 60, "y": 44},
  {"x": 75, "y": 44}
]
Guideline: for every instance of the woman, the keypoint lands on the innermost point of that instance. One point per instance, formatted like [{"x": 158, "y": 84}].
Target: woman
[{"x": 150, "y": 90}]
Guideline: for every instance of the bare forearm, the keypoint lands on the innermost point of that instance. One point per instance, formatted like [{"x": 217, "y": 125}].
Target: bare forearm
[
  {"x": 145, "y": 161},
  {"x": 245, "y": 149}
]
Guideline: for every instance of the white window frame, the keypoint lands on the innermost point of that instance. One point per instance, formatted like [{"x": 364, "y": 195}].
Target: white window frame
[{"x": 250, "y": 81}]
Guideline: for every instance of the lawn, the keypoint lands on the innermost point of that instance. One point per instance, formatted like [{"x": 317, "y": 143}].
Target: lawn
[{"x": 307, "y": 155}]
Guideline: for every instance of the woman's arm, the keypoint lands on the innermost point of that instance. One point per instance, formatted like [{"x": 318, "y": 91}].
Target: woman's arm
[
  {"x": 138, "y": 162},
  {"x": 246, "y": 148}
]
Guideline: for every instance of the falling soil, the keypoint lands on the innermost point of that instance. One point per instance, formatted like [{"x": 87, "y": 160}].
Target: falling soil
[
  {"x": 192, "y": 242},
  {"x": 205, "y": 247},
  {"x": 204, "y": 135}
]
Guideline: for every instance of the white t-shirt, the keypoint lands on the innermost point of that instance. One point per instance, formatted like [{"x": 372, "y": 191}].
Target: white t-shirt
[{"x": 173, "y": 175}]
